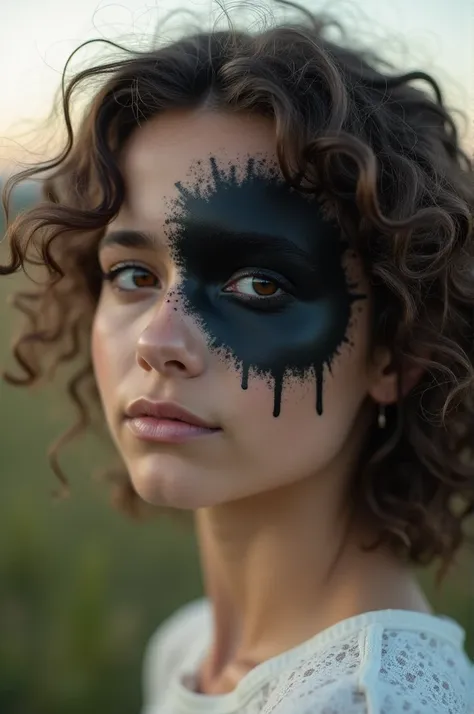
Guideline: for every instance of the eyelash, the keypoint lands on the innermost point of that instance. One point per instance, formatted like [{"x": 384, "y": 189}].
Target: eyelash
[
  {"x": 266, "y": 302},
  {"x": 262, "y": 302},
  {"x": 112, "y": 274}
]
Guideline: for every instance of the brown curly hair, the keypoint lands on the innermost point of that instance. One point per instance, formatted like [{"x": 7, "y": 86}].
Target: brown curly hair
[{"x": 385, "y": 157}]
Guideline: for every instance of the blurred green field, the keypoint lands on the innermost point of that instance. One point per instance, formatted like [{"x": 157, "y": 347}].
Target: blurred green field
[{"x": 81, "y": 586}]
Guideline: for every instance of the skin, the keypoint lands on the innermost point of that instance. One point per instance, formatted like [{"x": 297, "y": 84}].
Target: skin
[{"x": 278, "y": 537}]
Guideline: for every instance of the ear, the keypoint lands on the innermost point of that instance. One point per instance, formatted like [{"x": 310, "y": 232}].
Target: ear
[{"x": 384, "y": 382}]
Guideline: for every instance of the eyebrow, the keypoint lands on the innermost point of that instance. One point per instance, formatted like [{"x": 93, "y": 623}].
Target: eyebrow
[
  {"x": 131, "y": 238},
  {"x": 225, "y": 243},
  {"x": 230, "y": 248},
  {"x": 128, "y": 238}
]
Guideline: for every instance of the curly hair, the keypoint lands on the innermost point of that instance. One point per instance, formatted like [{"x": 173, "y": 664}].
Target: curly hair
[{"x": 385, "y": 157}]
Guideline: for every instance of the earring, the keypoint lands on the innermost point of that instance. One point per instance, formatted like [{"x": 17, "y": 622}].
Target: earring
[{"x": 382, "y": 419}]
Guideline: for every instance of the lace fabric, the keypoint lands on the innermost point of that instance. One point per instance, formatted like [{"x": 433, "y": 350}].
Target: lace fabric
[
  {"x": 417, "y": 674},
  {"x": 321, "y": 672},
  {"x": 377, "y": 663},
  {"x": 418, "y": 668}
]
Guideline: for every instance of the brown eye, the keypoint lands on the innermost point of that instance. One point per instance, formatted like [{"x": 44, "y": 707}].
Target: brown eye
[
  {"x": 144, "y": 280},
  {"x": 264, "y": 287},
  {"x": 129, "y": 278},
  {"x": 256, "y": 286}
]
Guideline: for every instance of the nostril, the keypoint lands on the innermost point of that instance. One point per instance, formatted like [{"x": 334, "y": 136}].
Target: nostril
[
  {"x": 144, "y": 364},
  {"x": 175, "y": 364}
]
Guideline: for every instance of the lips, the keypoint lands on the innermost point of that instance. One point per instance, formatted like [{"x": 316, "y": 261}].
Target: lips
[
  {"x": 165, "y": 410},
  {"x": 166, "y": 423}
]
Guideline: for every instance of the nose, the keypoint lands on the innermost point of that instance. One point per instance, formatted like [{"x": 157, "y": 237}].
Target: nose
[{"x": 171, "y": 344}]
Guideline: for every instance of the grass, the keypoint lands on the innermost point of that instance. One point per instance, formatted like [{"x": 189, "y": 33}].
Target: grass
[{"x": 81, "y": 587}]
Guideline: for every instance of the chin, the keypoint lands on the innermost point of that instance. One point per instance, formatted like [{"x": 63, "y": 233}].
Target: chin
[{"x": 160, "y": 481}]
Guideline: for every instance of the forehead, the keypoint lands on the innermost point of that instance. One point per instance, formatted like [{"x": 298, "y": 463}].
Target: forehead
[{"x": 161, "y": 152}]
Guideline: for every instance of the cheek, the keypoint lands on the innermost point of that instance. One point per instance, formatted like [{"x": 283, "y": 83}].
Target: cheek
[
  {"x": 109, "y": 353},
  {"x": 299, "y": 432},
  {"x": 100, "y": 354},
  {"x": 345, "y": 385}
]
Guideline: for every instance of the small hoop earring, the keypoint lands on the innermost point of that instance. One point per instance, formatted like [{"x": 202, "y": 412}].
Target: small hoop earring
[{"x": 382, "y": 418}]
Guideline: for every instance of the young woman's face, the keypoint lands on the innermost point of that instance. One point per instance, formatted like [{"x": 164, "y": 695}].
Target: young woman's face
[{"x": 228, "y": 296}]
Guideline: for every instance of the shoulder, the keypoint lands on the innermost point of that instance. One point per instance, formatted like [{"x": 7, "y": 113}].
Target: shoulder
[
  {"x": 378, "y": 670},
  {"x": 168, "y": 645}
]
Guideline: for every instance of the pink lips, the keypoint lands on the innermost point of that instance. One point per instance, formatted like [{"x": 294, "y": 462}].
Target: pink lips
[{"x": 165, "y": 422}]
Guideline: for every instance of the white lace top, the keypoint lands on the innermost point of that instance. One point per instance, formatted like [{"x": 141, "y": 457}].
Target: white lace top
[{"x": 385, "y": 662}]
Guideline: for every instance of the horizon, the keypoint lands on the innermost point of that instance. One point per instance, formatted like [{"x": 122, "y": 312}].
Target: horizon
[{"x": 36, "y": 40}]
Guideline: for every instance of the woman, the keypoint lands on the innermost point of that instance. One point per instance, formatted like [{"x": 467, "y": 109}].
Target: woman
[{"x": 266, "y": 241}]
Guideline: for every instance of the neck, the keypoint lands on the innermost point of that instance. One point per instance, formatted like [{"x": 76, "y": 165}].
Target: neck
[{"x": 282, "y": 566}]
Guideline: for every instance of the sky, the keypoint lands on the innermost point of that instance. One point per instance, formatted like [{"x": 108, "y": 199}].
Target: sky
[{"x": 36, "y": 39}]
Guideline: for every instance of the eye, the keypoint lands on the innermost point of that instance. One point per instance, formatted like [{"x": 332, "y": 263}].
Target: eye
[
  {"x": 129, "y": 278},
  {"x": 257, "y": 286},
  {"x": 254, "y": 286}
]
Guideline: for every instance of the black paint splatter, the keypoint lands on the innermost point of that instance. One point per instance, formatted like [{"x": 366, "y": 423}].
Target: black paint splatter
[{"x": 246, "y": 216}]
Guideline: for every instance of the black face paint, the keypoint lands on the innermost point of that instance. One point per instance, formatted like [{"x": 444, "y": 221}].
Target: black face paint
[{"x": 220, "y": 225}]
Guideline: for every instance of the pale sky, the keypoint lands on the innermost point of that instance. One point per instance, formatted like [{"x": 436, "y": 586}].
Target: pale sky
[{"x": 37, "y": 36}]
